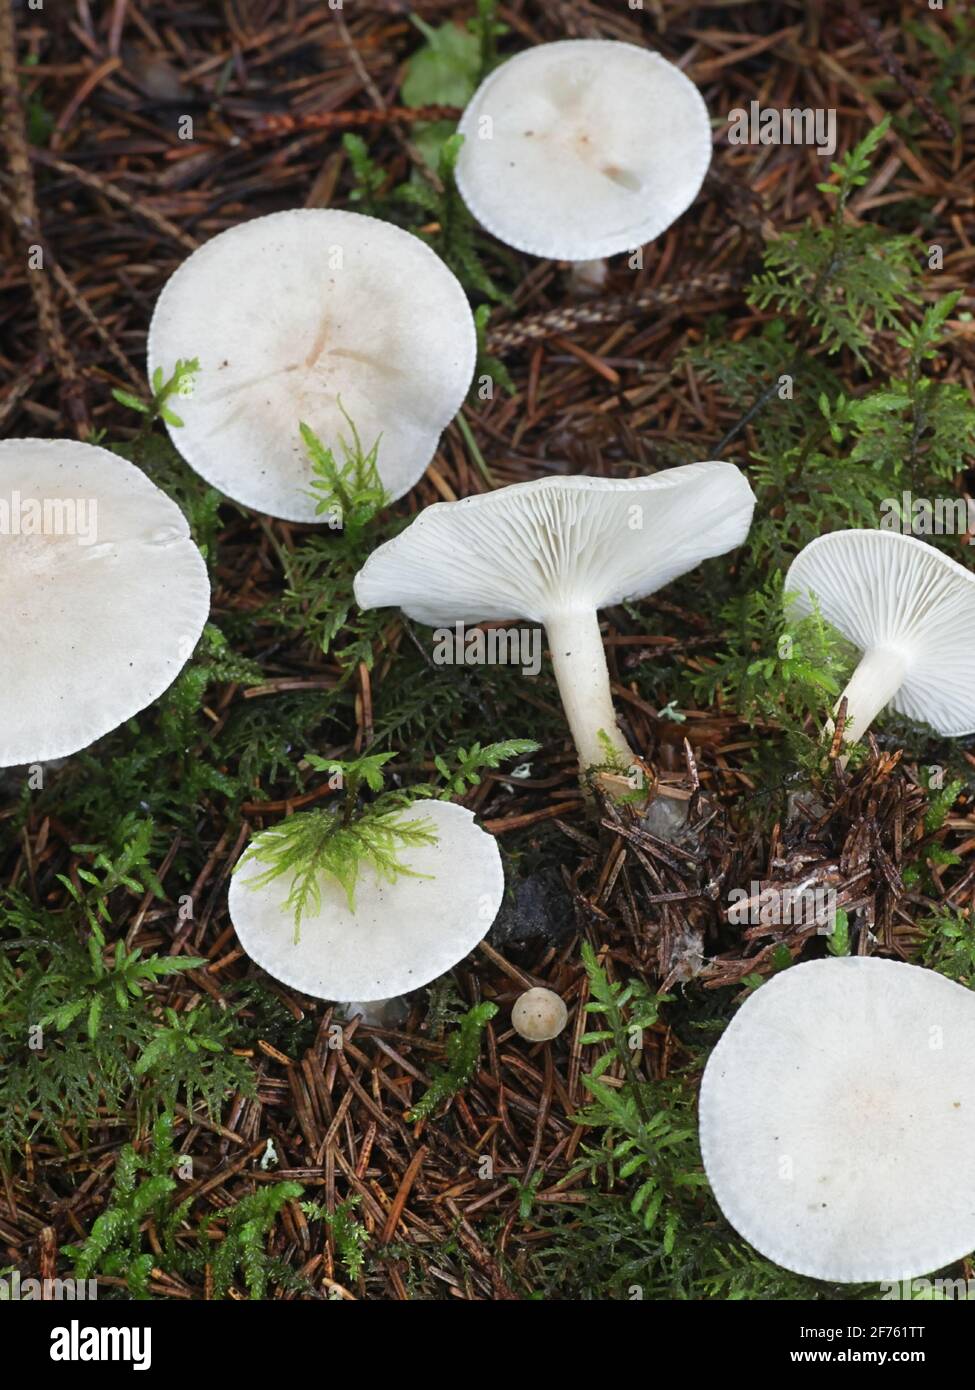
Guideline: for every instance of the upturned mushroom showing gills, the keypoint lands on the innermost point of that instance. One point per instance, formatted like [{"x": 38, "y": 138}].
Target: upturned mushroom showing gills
[
  {"x": 555, "y": 551},
  {"x": 399, "y": 934},
  {"x": 837, "y": 1120},
  {"x": 103, "y": 596},
  {"x": 911, "y": 611},
  {"x": 583, "y": 148},
  {"x": 319, "y": 317}
]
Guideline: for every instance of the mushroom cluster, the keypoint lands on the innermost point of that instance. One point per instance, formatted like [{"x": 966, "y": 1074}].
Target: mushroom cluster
[
  {"x": 554, "y": 551},
  {"x": 839, "y": 1106}
]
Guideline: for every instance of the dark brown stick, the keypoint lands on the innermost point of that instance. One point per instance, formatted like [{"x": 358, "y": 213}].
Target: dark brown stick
[{"x": 22, "y": 210}]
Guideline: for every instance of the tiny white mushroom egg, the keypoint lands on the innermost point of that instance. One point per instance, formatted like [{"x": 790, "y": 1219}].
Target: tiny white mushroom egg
[{"x": 538, "y": 1015}]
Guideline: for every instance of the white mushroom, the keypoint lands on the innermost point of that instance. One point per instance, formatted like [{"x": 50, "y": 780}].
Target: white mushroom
[
  {"x": 911, "y": 611},
  {"x": 555, "y": 551},
  {"x": 539, "y": 1015},
  {"x": 296, "y": 317},
  {"x": 837, "y": 1120},
  {"x": 583, "y": 148},
  {"x": 401, "y": 935},
  {"x": 103, "y": 596}
]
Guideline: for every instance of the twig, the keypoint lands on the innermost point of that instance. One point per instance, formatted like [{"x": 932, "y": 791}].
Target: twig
[
  {"x": 22, "y": 210},
  {"x": 112, "y": 191},
  {"x": 18, "y": 391},
  {"x": 376, "y": 97},
  {"x": 289, "y": 123},
  {"x": 893, "y": 66},
  {"x": 507, "y": 337},
  {"x": 89, "y": 315}
]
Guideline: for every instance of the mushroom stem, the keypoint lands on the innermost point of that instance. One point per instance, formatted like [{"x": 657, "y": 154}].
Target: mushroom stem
[
  {"x": 588, "y": 277},
  {"x": 874, "y": 683},
  {"x": 377, "y": 1013},
  {"x": 583, "y": 680}
]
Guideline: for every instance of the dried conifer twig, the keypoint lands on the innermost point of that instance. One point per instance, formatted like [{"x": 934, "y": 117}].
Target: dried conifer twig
[
  {"x": 507, "y": 337},
  {"x": 21, "y": 207},
  {"x": 893, "y": 66}
]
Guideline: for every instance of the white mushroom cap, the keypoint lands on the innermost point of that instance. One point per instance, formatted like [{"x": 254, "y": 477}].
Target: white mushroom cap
[
  {"x": 292, "y": 312},
  {"x": 101, "y": 605},
  {"x": 837, "y": 1119},
  {"x": 539, "y": 1014},
  {"x": 554, "y": 551},
  {"x": 401, "y": 935},
  {"x": 533, "y": 549},
  {"x": 583, "y": 148},
  {"x": 911, "y": 611}
]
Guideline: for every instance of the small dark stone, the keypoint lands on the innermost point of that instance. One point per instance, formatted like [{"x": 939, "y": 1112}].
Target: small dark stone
[{"x": 536, "y": 908}]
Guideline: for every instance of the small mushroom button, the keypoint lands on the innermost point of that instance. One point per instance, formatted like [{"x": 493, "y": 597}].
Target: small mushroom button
[{"x": 538, "y": 1015}]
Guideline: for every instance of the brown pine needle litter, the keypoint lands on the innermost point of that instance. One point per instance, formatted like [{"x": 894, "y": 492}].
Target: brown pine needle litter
[{"x": 96, "y": 174}]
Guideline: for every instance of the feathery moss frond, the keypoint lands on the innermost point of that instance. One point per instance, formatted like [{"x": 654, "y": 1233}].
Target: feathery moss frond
[{"x": 312, "y": 845}]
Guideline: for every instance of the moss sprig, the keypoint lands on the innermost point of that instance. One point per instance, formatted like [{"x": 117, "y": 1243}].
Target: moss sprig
[{"x": 336, "y": 842}]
